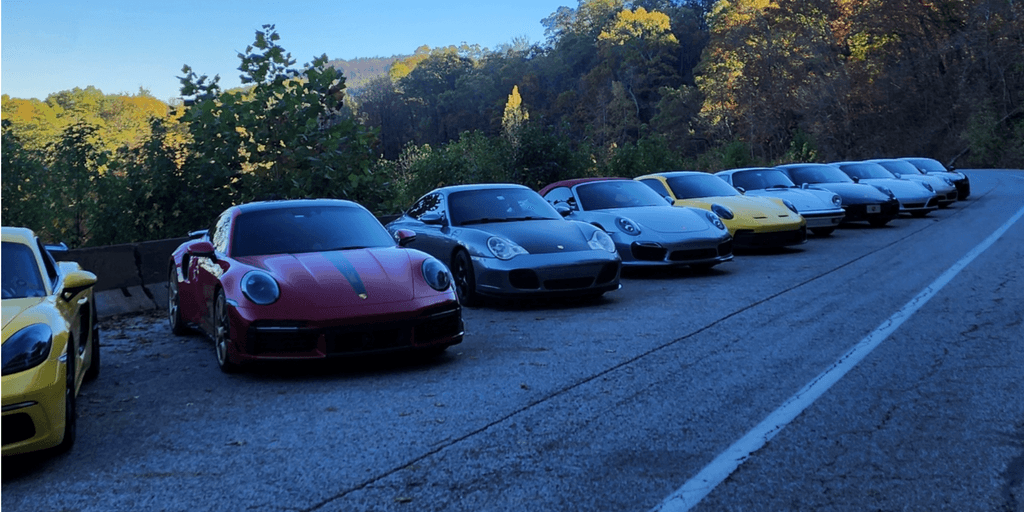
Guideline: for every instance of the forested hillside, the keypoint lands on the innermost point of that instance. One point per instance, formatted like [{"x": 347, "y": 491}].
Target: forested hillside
[{"x": 618, "y": 88}]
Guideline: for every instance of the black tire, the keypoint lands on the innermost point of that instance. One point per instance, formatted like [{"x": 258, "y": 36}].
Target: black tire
[
  {"x": 94, "y": 355},
  {"x": 222, "y": 335},
  {"x": 464, "y": 279},
  {"x": 70, "y": 405},
  {"x": 823, "y": 231},
  {"x": 178, "y": 326}
]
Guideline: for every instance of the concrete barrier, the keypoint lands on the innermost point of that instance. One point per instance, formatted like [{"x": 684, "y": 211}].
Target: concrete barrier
[{"x": 130, "y": 277}]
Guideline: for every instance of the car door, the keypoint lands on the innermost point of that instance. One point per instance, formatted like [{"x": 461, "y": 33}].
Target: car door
[{"x": 429, "y": 219}]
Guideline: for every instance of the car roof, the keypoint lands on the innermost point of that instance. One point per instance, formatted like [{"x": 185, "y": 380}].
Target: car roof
[
  {"x": 291, "y": 203},
  {"x": 576, "y": 181},
  {"x": 18, "y": 235},
  {"x": 672, "y": 174}
]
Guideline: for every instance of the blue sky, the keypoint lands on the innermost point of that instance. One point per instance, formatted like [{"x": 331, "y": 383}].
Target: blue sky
[{"x": 120, "y": 46}]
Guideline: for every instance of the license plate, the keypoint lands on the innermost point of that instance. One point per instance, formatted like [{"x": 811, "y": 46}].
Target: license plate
[{"x": 874, "y": 208}]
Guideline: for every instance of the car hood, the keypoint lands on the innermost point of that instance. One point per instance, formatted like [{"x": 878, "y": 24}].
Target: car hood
[
  {"x": 13, "y": 308},
  {"x": 902, "y": 188},
  {"x": 363, "y": 276},
  {"x": 540, "y": 236},
  {"x": 804, "y": 200},
  {"x": 744, "y": 206},
  {"x": 854, "y": 193},
  {"x": 664, "y": 219}
]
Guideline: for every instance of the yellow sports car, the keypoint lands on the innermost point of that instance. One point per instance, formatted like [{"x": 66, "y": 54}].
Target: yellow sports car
[
  {"x": 50, "y": 343},
  {"x": 752, "y": 221}
]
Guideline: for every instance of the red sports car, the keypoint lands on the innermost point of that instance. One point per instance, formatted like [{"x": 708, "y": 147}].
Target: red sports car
[{"x": 307, "y": 279}]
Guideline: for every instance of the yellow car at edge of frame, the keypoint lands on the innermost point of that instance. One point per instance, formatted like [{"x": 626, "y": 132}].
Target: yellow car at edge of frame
[{"x": 50, "y": 344}]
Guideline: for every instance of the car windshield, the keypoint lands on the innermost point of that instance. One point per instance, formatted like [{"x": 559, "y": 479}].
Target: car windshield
[
  {"x": 20, "y": 274},
  {"x": 498, "y": 205},
  {"x": 866, "y": 171},
  {"x": 818, "y": 174},
  {"x": 604, "y": 195},
  {"x": 700, "y": 185},
  {"x": 900, "y": 166},
  {"x": 761, "y": 179},
  {"x": 290, "y": 230},
  {"x": 927, "y": 164}
]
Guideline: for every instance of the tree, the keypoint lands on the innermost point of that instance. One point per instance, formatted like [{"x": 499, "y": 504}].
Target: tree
[{"x": 287, "y": 135}]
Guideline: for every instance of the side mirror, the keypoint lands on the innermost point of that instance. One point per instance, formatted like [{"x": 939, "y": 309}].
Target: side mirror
[
  {"x": 742, "y": 190},
  {"x": 855, "y": 179},
  {"x": 668, "y": 199},
  {"x": 77, "y": 281},
  {"x": 202, "y": 249},
  {"x": 196, "y": 235},
  {"x": 563, "y": 210},
  {"x": 898, "y": 175},
  {"x": 433, "y": 218},
  {"x": 405, "y": 237}
]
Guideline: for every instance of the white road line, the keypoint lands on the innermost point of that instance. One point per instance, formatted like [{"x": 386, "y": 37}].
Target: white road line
[{"x": 693, "y": 491}]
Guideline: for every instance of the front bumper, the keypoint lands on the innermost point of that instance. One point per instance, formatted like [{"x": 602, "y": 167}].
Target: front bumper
[
  {"x": 872, "y": 212},
  {"x": 552, "y": 274},
  {"x": 695, "y": 251},
  {"x": 33, "y": 408},
  {"x": 425, "y": 323},
  {"x": 824, "y": 218},
  {"x": 750, "y": 239}
]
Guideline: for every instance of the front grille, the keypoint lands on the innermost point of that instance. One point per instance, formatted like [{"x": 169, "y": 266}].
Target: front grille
[
  {"x": 342, "y": 340},
  {"x": 524, "y": 279},
  {"x": 933, "y": 202},
  {"x": 17, "y": 427},
  {"x": 642, "y": 252},
  {"x": 571, "y": 283},
  {"x": 913, "y": 205},
  {"x": 694, "y": 254}
]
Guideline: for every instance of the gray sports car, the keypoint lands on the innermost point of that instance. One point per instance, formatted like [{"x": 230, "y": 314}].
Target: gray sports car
[
  {"x": 647, "y": 231},
  {"x": 505, "y": 240}
]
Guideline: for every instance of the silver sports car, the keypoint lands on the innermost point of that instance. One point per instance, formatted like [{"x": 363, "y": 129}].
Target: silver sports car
[
  {"x": 916, "y": 198},
  {"x": 505, "y": 240},
  {"x": 647, "y": 231},
  {"x": 823, "y": 209}
]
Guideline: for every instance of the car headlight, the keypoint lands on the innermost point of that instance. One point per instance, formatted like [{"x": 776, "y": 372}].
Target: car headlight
[
  {"x": 791, "y": 206},
  {"x": 504, "y": 249},
  {"x": 627, "y": 226},
  {"x": 929, "y": 187},
  {"x": 436, "y": 274},
  {"x": 886, "y": 191},
  {"x": 836, "y": 200},
  {"x": 27, "y": 348},
  {"x": 948, "y": 181},
  {"x": 712, "y": 218},
  {"x": 259, "y": 287},
  {"x": 722, "y": 211},
  {"x": 600, "y": 240}
]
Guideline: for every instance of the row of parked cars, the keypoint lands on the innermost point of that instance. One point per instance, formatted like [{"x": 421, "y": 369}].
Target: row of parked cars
[{"x": 315, "y": 278}]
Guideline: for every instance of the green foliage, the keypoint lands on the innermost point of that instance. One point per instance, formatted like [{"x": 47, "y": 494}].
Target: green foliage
[
  {"x": 287, "y": 136},
  {"x": 801, "y": 148},
  {"x": 25, "y": 186},
  {"x": 650, "y": 154}
]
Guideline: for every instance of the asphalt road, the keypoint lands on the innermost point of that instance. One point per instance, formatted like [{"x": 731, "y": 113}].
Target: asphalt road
[{"x": 617, "y": 404}]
